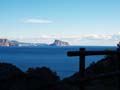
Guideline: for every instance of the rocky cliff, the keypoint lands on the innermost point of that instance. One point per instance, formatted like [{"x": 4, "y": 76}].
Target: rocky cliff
[
  {"x": 59, "y": 43},
  {"x": 6, "y": 42}
]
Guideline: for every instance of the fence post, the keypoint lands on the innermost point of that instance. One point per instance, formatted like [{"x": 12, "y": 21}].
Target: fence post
[
  {"x": 82, "y": 67},
  {"x": 82, "y": 62}
]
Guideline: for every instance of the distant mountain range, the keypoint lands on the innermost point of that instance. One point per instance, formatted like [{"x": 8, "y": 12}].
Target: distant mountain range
[{"x": 6, "y": 42}]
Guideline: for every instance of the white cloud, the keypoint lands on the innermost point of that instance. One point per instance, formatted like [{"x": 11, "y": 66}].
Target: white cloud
[
  {"x": 50, "y": 36},
  {"x": 32, "y": 20},
  {"x": 97, "y": 37},
  {"x": 119, "y": 33},
  {"x": 88, "y": 39}
]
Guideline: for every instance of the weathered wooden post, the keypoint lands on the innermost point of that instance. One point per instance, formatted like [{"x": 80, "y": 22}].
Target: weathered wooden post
[
  {"x": 82, "y": 62},
  {"x": 82, "y": 53},
  {"x": 82, "y": 67}
]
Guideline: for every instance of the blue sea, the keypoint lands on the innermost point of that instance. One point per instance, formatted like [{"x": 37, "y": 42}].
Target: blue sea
[{"x": 50, "y": 56}]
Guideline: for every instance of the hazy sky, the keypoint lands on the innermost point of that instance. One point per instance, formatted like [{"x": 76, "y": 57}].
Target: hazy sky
[{"x": 83, "y": 22}]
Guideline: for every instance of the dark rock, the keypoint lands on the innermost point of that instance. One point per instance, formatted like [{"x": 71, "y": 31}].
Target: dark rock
[
  {"x": 8, "y": 70},
  {"x": 11, "y": 77},
  {"x": 4, "y": 42},
  {"x": 59, "y": 43},
  {"x": 41, "y": 78}
]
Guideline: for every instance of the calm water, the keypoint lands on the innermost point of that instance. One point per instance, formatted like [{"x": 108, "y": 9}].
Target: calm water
[{"x": 53, "y": 57}]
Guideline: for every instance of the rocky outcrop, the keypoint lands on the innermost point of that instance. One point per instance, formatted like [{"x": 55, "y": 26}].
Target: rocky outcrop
[
  {"x": 59, "y": 43},
  {"x": 8, "y": 70},
  {"x": 6, "y": 42},
  {"x": 12, "y": 78}
]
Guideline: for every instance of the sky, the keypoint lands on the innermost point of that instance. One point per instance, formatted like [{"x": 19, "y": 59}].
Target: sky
[{"x": 79, "y": 22}]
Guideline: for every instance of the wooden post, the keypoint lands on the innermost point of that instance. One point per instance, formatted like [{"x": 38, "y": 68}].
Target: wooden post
[
  {"x": 82, "y": 62},
  {"x": 82, "y": 67},
  {"x": 82, "y": 53}
]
